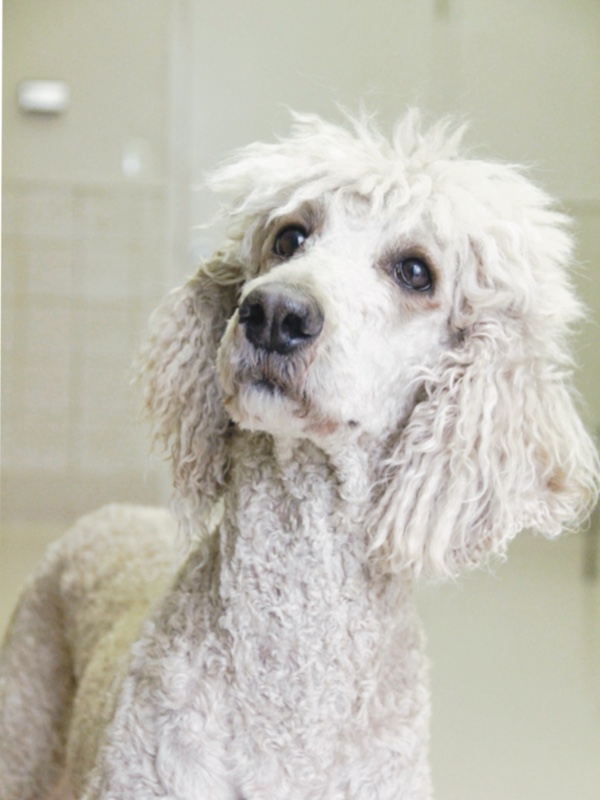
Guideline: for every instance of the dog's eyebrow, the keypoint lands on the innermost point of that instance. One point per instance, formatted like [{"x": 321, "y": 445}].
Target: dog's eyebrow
[{"x": 310, "y": 215}]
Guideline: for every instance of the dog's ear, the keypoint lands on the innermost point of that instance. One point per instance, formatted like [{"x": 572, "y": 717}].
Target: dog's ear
[
  {"x": 496, "y": 444},
  {"x": 182, "y": 393}
]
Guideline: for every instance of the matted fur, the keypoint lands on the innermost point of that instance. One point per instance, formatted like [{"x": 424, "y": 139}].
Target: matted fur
[{"x": 418, "y": 432}]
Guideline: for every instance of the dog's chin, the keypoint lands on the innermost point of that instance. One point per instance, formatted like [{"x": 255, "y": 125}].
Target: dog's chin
[{"x": 263, "y": 405}]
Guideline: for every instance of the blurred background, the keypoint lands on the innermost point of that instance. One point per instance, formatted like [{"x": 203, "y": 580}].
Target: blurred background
[{"x": 102, "y": 212}]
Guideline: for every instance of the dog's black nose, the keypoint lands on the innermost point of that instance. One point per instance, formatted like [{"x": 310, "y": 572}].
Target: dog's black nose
[{"x": 279, "y": 318}]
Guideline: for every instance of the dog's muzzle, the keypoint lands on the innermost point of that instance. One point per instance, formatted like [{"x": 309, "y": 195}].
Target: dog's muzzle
[{"x": 280, "y": 318}]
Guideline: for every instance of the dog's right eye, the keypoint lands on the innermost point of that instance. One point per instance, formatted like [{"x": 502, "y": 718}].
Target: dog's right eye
[
  {"x": 414, "y": 274},
  {"x": 288, "y": 240}
]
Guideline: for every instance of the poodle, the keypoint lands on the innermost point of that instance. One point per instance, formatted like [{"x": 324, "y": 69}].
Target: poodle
[{"x": 369, "y": 382}]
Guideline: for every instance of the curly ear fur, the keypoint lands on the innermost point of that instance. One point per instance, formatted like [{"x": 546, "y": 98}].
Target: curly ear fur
[
  {"x": 182, "y": 393},
  {"x": 496, "y": 445}
]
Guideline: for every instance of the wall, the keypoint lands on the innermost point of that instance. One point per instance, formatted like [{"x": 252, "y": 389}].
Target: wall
[
  {"x": 84, "y": 252},
  {"x": 114, "y": 57}
]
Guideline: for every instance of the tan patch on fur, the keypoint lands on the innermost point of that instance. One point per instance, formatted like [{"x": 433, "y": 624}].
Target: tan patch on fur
[
  {"x": 556, "y": 482},
  {"x": 324, "y": 427}
]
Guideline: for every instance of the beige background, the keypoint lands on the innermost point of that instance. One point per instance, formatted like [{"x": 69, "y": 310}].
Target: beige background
[{"x": 87, "y": 251}]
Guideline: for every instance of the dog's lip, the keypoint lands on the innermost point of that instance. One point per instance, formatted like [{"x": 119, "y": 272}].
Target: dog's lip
[{"x": 266, "y": 385}]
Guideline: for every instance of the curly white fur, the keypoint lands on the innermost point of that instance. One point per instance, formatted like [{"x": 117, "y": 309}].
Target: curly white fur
[{"x": 415, "y": 430}]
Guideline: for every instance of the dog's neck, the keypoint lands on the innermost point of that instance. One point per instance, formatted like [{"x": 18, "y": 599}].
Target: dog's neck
[
  {"x": 284, "y": 595},
  {"x": 294, "y": 517},
  {"x": 293, "y": 537},
  {"x": 335, "y": 479},
  {"x": 292, "y": 501}
]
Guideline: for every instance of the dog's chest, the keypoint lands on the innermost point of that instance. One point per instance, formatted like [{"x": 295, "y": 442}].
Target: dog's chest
[{"x": 300, "y": 669}]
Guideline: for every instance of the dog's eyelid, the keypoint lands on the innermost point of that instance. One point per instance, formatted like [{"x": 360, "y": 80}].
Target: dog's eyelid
[
  {"x": 291, "y": 226},
  {"x": 289, "y": 239},
  {"x": 425, "y": 278},
  {"x": 309, "y": 216}
]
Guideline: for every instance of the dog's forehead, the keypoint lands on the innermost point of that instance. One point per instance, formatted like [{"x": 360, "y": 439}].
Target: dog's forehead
[
  {"x": 377, "y": 202},
  {"x": 415, "y": 167},
  {"x": 347, "y": 218},
  {"x": 363, "y": 194}
]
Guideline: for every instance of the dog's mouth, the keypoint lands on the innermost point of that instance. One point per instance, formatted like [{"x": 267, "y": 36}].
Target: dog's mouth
[
  {"x": 252, "y": 379},
  {"x": 268, "y": 386},
  {"x": 272, "y": 393},
  {"x": 244, "y": 367},
  {"x": 276, "y": 380}
]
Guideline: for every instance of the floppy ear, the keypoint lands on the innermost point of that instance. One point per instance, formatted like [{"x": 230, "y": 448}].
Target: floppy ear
[
  {"x": 182, "y": 393},
  {"x": 496, "y": 444}
]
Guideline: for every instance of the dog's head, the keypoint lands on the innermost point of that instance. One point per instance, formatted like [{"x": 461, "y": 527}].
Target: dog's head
[
  {"x": 343, "y": 308},
  {"x": 389, "y": 292}
]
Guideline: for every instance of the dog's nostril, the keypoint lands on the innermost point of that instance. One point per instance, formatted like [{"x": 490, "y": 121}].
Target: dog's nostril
[
  {"x": 252, "y": 314},
  {"x": 279, "y": 318},
  {"x": 294, "y": 326}
]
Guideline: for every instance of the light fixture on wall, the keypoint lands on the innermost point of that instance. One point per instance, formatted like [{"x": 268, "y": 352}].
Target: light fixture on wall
[{"x": 43, "y": 96}]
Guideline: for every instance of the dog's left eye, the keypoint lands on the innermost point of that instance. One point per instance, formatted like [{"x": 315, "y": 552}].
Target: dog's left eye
[
  {"x": 289, "y": 240},
  {"x": 414, "y": 274}
]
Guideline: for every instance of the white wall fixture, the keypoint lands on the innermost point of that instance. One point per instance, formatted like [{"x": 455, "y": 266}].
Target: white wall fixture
[{"x": 43, "y": 96}]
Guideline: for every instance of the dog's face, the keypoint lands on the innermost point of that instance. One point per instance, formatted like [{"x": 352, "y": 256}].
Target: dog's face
[
  {"x": 343, "y": 309},
  {"x": 398, "y": 297}
]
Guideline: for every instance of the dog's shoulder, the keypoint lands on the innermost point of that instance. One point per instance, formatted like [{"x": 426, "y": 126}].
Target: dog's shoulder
[{"x": 114, "y": 563}]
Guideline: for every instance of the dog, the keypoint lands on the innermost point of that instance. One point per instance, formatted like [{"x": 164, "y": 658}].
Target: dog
[{"x": 369, "y": 382}]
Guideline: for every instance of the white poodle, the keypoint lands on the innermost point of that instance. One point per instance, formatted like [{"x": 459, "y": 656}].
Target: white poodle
[{"x": 371, "y": 380}]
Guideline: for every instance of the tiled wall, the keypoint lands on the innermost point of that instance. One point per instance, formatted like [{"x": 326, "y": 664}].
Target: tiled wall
[{"x": 82, "y": 267}]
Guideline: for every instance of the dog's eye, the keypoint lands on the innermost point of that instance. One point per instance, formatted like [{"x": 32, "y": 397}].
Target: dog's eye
[
  {"x": 414, "y": 274},
  {"x": 289, "y": 240}
]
